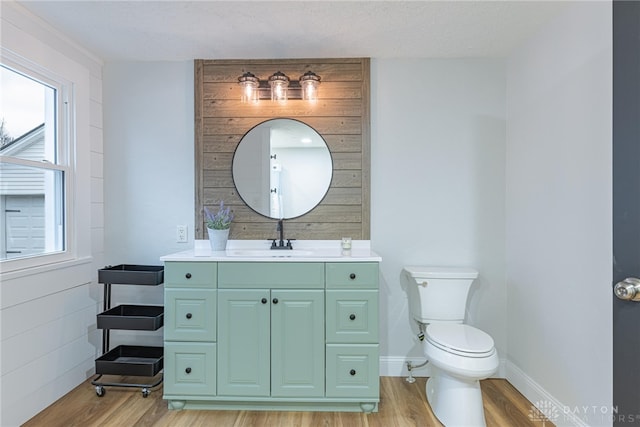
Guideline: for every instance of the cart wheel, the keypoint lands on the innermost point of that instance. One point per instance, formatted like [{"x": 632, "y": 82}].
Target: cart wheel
[
  {"x": 100, "y": 391},
  {"x": 145, "y": 392}
]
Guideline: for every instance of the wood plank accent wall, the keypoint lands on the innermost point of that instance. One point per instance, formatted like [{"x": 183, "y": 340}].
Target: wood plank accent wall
[{"x": 341, "y": 115}]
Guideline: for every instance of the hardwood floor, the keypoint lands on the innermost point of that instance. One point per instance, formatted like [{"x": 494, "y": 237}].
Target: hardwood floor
[{"x": 401, "y": 404}]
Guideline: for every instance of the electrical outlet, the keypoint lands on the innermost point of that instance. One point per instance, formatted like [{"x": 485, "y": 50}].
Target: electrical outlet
[{"x": 181, "y": 234}]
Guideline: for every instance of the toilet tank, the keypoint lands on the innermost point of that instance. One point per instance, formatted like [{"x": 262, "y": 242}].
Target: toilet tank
[{"x": 439, "y": 294}]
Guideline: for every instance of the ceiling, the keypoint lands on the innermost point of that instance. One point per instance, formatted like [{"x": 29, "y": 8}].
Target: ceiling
[{"x": 184, "y": 30}]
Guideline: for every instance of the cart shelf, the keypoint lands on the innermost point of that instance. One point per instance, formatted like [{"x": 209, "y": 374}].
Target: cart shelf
[
  {"x": 131, "y": 360},
  {"x": 129, "y": 274},
  {"x": 132, "y": 317}
]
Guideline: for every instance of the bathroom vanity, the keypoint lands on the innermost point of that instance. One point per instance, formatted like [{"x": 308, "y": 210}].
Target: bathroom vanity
[{"x": 272, "y": 330}]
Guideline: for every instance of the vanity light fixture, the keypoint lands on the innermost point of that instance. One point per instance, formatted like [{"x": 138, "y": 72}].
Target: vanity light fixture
[
  {"x": 309, "y": 82},
  {"x": 279, "y": 87},
  {"x": 279, "y": 83},
  {"x": 249, "y": 84}
]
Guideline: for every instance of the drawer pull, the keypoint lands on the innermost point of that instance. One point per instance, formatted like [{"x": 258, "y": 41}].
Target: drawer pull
[
  {"x": 263, "y": 300},
  {"x": 352, "y": 316},
  {"x": 188, "y": 275},
  {"x": 352, "y": 276},
  {"x": 188, "y": 370},
  {"x": 189, "y": 316},
  {"x": 352, "y": 372},
  {"x": 275, "y": 300}
]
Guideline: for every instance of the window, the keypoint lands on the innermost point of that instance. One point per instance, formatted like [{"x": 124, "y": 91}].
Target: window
[{"x": 34, "y": 162}]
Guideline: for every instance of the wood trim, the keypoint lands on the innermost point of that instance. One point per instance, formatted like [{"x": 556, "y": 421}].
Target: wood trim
[
  {"x": 366, "y": 150},
  {"x": 199, "y": 147},
  {"x": 341, "y": 115}
]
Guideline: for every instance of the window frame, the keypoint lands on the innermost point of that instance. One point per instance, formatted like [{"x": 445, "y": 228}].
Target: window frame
[{"x": 64, "y": 159}]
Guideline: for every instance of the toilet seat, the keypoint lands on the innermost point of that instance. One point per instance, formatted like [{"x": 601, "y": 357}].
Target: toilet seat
[{"x": 460, "y": 339}]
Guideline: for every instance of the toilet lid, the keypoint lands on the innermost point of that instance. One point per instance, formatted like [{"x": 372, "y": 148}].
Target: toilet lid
[{"x": 458, "y": 338}]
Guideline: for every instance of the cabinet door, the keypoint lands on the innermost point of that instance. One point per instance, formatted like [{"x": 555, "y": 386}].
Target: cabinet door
[
  {"x": 189, "y": 314},
  {"x": 353, "y": 371},
  {"x": 243, "y": 342},
  {"x": 190, "y": 369},
  {"x": 297, "y": 343},
  {"x": 352, "y": 316}
]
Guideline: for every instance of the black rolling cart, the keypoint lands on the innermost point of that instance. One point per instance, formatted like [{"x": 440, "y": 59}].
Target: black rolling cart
[{"x": 129, "y": 360}]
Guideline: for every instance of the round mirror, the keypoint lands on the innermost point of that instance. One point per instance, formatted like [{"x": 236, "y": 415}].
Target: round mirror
[{"x": 282, "y": 168}]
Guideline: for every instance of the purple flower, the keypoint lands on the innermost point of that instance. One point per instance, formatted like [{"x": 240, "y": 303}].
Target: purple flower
[{"x": 220, "y": 220}]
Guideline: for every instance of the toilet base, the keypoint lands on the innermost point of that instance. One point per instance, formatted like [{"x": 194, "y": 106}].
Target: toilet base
[{"x": 455, "y": 402}]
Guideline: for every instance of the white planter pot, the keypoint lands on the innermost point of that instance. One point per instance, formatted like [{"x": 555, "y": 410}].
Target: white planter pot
[{"x": 218, "y": 239}]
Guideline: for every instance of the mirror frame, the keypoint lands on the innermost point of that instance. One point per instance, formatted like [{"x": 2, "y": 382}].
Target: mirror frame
[{"x": 324, "y": 192}]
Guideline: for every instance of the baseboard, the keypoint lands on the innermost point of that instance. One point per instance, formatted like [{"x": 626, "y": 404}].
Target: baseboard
[
  {"x": 543, "y": 403},
  {"x": 392, "y": 366}
]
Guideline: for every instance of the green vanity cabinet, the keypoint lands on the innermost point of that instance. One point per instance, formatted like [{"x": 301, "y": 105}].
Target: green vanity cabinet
[{"x": 281, "y": 335}]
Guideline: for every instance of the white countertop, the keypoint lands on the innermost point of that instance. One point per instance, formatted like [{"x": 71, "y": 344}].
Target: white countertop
[{"x": 258, "y": 250}]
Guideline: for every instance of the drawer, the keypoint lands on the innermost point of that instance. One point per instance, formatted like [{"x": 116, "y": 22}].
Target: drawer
[
  {"x": 190, "y": 314},
  {"x": 190, "y": 369},
  {"x": 353, "y": 371},
  {"x": 190, "y": 274},
  {"x": 296, "y": 275},
  {"x": 352, "y": 275},
  {"x": 352, "y": 316}
]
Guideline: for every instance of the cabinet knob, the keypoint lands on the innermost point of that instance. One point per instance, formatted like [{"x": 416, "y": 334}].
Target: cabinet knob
[
  {"x": 352, "y": 276},
  {"x": 188, "y": 275},
  {"x": 264, "y": 300},
  {"x": 352, "y": 372},
  {"x": 352, "y": 316},
  {"x": 189, "y": 315},
  {"x": 188, "y": 370},
  {"x": 275, "y": 300}
]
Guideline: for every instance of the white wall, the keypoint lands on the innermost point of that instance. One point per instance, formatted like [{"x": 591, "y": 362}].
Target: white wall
[
  {"x": 149, "y": 163},
  {"x": 558, "y": 204},
  {"x": 48, "y": 339},
  {"x": 437, "y": 187}
]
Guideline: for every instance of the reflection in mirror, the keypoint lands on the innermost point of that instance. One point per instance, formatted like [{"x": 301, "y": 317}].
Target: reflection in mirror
[{"x": 282, "y": 168}]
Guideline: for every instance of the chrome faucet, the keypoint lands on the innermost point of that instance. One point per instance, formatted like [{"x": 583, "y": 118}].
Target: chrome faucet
[{"x": 281, "y": 244}]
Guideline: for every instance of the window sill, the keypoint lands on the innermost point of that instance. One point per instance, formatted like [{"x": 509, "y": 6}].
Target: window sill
[{"x": 43, "y": 267}]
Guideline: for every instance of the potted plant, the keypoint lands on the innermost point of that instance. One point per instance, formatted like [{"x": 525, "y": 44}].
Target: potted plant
[{"x": 218, "y": 224}]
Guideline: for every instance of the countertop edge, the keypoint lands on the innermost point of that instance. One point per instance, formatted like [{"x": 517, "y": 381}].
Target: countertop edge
[{"x": 361, "y": 252}]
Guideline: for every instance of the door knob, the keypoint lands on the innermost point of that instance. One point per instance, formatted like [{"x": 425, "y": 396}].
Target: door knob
[{"x": 628, "y": 289}]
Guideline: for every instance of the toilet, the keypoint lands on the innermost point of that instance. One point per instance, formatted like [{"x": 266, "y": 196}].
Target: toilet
[{"x": 460, "y": 355}]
